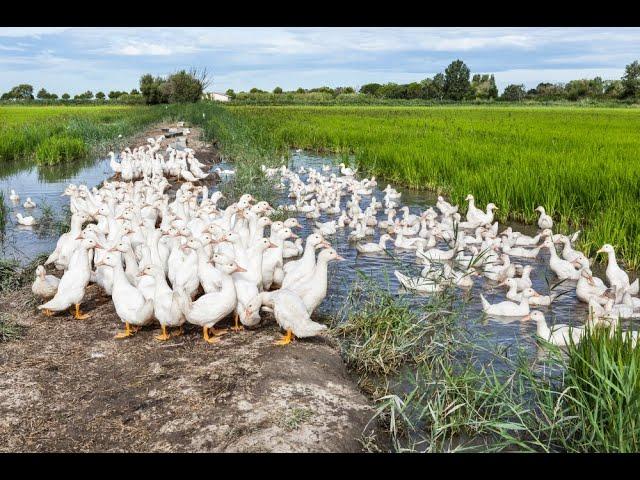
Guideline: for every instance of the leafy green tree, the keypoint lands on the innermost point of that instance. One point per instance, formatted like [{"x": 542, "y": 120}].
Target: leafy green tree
[
  {"x": 185, "y": 87},
  {"x": 230, "y": 93},
  {"x": 631, "y": 80},
  {"x": 100, "y": 95},
  {"x": 513, "y": 93},
  {"x": 115, "y": 94},
  {"x": 370, "y": 89},
  {"x": 134, "y": 92},
  {"x": 24, "y": 91},
  {"x": 456, "y": 80},
  {"x": 256, "y": 90},
  {"x": 277, "y": 90},
  {"x": 151, "y": 90},
  {"x": 301, "y": 90},
  {"x": 43, "y": 94},
  {"x": 88, "y": 95},
  {"x": 66, "y": 96},
  {"x": 613, "y": 88}
]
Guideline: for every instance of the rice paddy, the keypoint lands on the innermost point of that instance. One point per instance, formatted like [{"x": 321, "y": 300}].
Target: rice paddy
[
  {"x": 579, "y": 163},
  {"x": 52, "y": 134}
]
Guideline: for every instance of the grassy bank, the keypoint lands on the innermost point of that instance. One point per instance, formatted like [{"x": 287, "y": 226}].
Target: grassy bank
[{"x": 580, "y": 163}]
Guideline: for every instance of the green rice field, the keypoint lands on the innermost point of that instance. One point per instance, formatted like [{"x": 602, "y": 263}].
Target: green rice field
[
  {"x": 54, "y": 134},
  {"x": 581, "y": 164}
]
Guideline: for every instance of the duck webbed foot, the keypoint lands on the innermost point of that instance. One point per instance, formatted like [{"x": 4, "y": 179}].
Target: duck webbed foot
[
  {"x": 47, "y": 312},
  {"x": 164, "y": 336},
  {"x": 207, "y": 338},
  {"x": 286, "y": 339},
  {"x": 128, "y": 331},
  {"x": 78, "y": 315},
  {"x": 237, "y": 327}
]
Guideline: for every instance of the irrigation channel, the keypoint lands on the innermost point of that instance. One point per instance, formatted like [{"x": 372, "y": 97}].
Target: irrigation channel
[{"x": 24, "y": 243}]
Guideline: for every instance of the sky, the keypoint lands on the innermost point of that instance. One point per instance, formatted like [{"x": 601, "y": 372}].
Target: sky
[{"x": 76, "y": 59}]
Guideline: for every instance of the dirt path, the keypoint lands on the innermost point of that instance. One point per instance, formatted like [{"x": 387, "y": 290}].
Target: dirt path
[{"x": 67, "y": 385}]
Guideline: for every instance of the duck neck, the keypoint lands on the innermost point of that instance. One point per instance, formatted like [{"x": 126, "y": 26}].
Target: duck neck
[{"x": 542, "y": 329}]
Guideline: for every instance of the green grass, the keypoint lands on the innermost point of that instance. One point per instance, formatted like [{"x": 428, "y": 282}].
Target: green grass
[
  {"x": 579, "y": 162},
  {"x": 53, "y": 134}
]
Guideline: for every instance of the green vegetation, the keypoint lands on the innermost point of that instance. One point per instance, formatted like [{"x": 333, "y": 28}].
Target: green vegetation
[
  {"x": 579, "y": 163},
  {"x": 50, "y": 135}
]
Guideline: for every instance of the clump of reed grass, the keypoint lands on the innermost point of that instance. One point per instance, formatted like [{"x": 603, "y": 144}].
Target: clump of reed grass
[
  {"x": 4, "y": 212},
  {"x": 14, "y": 276},
  {"x": 60, "y": 149}
]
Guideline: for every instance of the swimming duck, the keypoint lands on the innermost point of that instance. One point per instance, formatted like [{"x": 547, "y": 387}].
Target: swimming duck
[
  {"x": 617, "y": 277},
  {"x": 507, "y": 309},
  {"x": 559, "y": 335},
  {"x": 14, "y": 197},
  {"x": 27, "y": 221},
  {"x": 374, "y": 247},
  {"x": 29, "y": 203}
]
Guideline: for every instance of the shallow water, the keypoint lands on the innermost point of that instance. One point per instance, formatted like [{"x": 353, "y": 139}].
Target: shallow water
[
  {"x": 502, "y": 331},
  {"x": 47, "y": 185}
]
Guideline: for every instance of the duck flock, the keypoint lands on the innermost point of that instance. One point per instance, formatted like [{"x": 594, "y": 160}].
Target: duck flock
[{"x": 171, "y": 255}]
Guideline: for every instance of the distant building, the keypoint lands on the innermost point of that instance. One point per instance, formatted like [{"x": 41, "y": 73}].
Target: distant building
[{"x": 218, "y": 97}]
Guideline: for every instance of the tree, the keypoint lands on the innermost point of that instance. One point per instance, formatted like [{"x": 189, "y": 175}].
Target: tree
[
  {"x": 456, "y": 80},
  {"x": 277, "y": 90},
  {"x": 151, "y": 90},
  {"x": 231, "y": 94},
  {"x": 100, "y": 95},
  {"x": 483, "y": 87},
  {"x": 301, "y": 90},
  {"x": 115, "y": 94},
  {"x": 513, "y": 93},
  {"x": 256, "y": 90},
  {"x": 613, "y": 88},
  {"x": 370, "y": 89},
  {"x": 24, "y": 91},
  {"x": 88, "y": 95},
  {"x": 66, "y": 96},
  {"x": 631, "y": 80},
  {"x": 186, "y": 87},
  {"x": 42, "y": 94}
]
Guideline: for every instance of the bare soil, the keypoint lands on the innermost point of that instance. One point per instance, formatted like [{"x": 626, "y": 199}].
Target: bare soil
[{"x": 67, "y": 385}]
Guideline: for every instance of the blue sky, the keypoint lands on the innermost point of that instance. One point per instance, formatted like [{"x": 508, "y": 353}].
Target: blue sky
[{"x": 77, "y": 59}]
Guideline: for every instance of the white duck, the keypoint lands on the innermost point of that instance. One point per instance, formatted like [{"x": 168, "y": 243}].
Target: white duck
[
  {"x": 166, "y": 302},
  {"x": 534, "y": 297},
  {"x": 130, "y": 304},
  {"x": 44, "y": 286},
  {"x": 291, "y": 314},
  {"x": 506, "y": 309},
  {"x": 559, "y": 335},
  {"x": 212, "y": 307},
  {"x": 545, "y": 221},
  {"x": 27, "y": 221},
  {"x": 313, "y": 288},
  {"x": 381, "y": 246},
  {"x": 14, "y": 197},
  {"x": 29, "y": 203},
  {"x": 564, "y": 270},
  {"x": 73, "y": 283},
  {"x": 617, "y": 277}
]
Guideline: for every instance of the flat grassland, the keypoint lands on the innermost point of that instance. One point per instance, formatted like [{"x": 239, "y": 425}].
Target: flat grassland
[{"x": 581, "y": 164}]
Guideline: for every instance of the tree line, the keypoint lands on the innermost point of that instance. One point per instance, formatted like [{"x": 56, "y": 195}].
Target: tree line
[
  {"x": 454, "y": 84},
  {"x": 180, "y": 87},
  {"x": 457, "y": 84}
]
